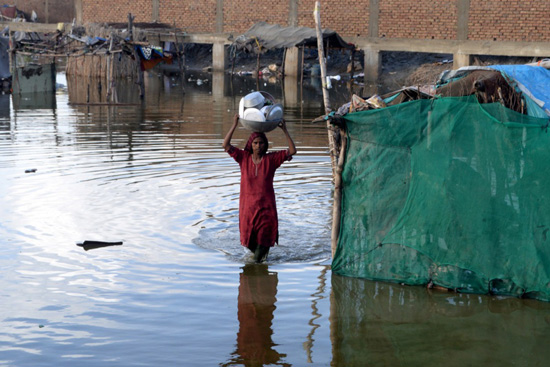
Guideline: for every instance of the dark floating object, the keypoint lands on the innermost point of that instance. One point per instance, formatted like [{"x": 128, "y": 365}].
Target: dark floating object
[
  {"x": 90, "y": 245},
  {"x": 30, "y": 170}
]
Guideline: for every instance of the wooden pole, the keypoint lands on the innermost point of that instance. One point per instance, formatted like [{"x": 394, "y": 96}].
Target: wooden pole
[
  {"x": 337, "y": 203},
  {"x": 283, "y": 64},
  {"x": 258, "y": 65},
  {"x": 131, "y": 26},
  {"x": 11, "y": 44},
  {"x": 108, "y": 77},
  {"x": 321, "y": 52},
  {"x": 352, "y": 70},
  {"x": 114, "y": 96},
  {"x": 141, "y": 78},
  {"x": 109, "y": 70},
  {"x": 302, "y": 68},
  {"x": 180, "y": 49},
  {"x": 326, "y": 100}
]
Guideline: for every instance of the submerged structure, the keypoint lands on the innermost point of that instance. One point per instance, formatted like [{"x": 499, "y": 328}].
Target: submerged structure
[
  {"x": 108, "y": 52},
  {"x": 447, "y": 185}
]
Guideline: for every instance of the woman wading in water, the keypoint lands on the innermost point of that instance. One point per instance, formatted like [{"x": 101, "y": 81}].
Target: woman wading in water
[{"x": 258, "y": 222}]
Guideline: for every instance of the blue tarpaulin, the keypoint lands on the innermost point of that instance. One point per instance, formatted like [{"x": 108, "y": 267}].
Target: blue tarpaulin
[{"x": 533, "y": 81}]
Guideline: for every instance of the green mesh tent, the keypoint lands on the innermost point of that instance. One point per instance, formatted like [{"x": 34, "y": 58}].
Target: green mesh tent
[{"x": 448, "y": 191}]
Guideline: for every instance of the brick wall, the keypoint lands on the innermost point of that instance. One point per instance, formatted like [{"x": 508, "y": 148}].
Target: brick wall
[
  {"x": 239, "y": 15},
  {"x": 116, "y": 11},
  {"x": 48, "y": 11},
  {"x": 425, "y": 19},
  {"x": 501, "y": 20},
  {"x": 347, "y": 17},
  {"x": 190, "y": 16},
  {"x": 509, "y": 20}
]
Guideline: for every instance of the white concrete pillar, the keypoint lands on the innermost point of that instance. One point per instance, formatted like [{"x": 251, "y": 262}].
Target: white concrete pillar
[
  {"x": 291, "y": 95},
  {"x": 372, "y": 65},
  {"x": 219, "y": 57},
  {"x": 460, "y": 60},
  {"x": 293, "y": 62},
  {"x": 218, "y": 84}
]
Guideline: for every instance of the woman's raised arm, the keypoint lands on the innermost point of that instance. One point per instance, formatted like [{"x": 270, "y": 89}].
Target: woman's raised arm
[
  {"x": 227, "y": 140},
  {"x": 291, "y": 145}
]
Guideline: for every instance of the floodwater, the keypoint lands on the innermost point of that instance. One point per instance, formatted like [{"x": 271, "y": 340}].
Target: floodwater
[{"x": 180, "y": 290}]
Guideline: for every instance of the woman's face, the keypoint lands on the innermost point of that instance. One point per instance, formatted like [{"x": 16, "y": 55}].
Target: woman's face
[{"x": 258, "y": 145}]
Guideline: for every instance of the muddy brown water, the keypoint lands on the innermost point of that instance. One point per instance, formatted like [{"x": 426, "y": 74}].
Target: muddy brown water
[{"x": 180, "y": 290}]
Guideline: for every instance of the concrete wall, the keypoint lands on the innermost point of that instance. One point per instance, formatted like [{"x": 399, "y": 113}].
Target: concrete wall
[{"x": 494, "y": 20}]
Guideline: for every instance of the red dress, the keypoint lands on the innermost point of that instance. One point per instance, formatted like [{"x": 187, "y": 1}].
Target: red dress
[{"x": 258, "y": 222}]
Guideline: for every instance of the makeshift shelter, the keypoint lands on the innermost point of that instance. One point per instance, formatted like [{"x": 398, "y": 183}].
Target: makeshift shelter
[
  {"x": 111, "y": 52},
  {"x": 263, "y": 37},
  {"x": 450, "y": 191}
]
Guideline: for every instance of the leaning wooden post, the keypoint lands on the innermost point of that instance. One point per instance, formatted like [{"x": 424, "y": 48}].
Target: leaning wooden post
[
  {"x": 337, "y": 203},
  {"x": 321, "y": 52},
  {"x": 326, "y": 100}
]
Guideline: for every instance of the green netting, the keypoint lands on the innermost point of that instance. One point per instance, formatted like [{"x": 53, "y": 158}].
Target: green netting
[{"x": 448, "y": 191}]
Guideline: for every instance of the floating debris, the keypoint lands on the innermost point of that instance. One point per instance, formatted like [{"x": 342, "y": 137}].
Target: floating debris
[{"x": 90, "y": 245}]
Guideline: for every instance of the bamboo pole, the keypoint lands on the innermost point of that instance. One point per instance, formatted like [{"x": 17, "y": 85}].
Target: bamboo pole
[
  {"x": 131, "y": 26},
  {"x": 233, "y": 56},
  {"x": 302, "y": 67},
  {"x": 337, "y": 160},
  {"x": 321, "y": 52},
  {"x": 326, "y": 100},
  {"x": 108, "y": 71},
  {"x": 114, "y": 95},
  {"x": 258, "y": 65},
  {"x": 337, "y": 202},
  {"x": 283, "y": 64}
]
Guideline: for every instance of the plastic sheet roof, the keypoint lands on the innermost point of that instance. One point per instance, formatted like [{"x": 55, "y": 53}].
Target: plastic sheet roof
[{"x": 273, "y": 36}]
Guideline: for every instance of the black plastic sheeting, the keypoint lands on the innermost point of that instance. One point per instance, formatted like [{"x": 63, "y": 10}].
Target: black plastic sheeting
[{"x": 273, "y": 36}]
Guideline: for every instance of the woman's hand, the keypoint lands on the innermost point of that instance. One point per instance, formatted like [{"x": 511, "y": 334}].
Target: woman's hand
[
  {"x": 282, "y": 124},
  {"x": 236, "y": 119}
]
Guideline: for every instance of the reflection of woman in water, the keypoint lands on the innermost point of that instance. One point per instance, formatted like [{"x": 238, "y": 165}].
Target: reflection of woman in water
[
  {"x": 258, "y": 222},
  {"x": 256, "y": 304}
]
